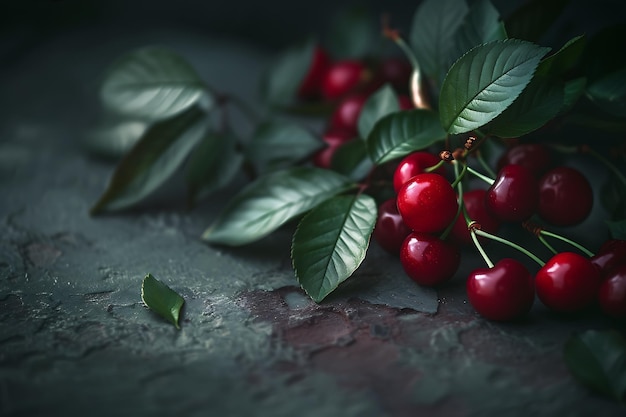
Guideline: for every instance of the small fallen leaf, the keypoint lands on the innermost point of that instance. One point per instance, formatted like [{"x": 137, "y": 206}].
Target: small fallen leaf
[{"x": 161, "y": 299}]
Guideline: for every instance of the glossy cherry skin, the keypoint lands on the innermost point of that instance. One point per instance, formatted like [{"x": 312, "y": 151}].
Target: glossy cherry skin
[
  {"x": 427, "y": 203},
  {"x": 346, "y": 114},
  {"x": 428, "y": 260},
  {"x": 390, "y": 231},
  {"x": 568, "y": 282},
  {"x": 343, "y": 77},
  {"x": 514, "y": 195},
  {"x": 333, "y": 138},
  {"x": 311, "y": 85},
  {"x": 611, "y": 254},
  {"x": 534, "y": 157},
  {"x": 474, "y": 201},
  {"x": 504, "y": 292},
  {"x": 612, "y": 293},
  {"x": 413, "y": 164},
  {"x": 565, "y": 197}
]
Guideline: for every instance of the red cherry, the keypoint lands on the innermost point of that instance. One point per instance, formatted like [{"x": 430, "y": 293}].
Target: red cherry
[
  {"x": 390, "y": 231},
  {"x": 333, "y": 138},
  {"x": 396, "y": 71},
  {"x": 514, "y": 195},
  {"x": 346, "y": 114},
  {"x": 534, "y": 157},
  {"x": 568, "y": 282},
  {"x": 565, "y": 197},
  {"x": 474, "y": 201},
  {"x": 427, "y": 203},
  {"x": 413, "y": 164},
  {"x": 311, "y": 86},
  {"x": 504, "y": 292},
  {"x": 612, "y": 293},
  {"x": 429, "y": 260},
  {"x": 611, "y": 254},
  {"x": 343, "y": 77},
  {"x": 337, "y": 136},
  {"x": 405, "y": 102},
  {"x": 324, "y": 156}
]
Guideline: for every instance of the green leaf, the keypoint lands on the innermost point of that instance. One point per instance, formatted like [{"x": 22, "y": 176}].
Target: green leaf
[
  {"x": 278, "y": 144},
  {"x": 114, "y": 139},
  {"x": 381, "y": 103},
  {"x": 331, "y": 242},
  {"x": 351, "y": 33},
  {"x": 432, "y": 34},
  {"x": 538, "y": 103},
  {"x": 564, "y": 59},
  {"x": 535, "y": 17},
  {"x": 270, "y": 201},
  {"x": 154, "y": 159},
  {"x": 152, "y": 82},
  {"x": 597, "y": 359},
  {"x": 280, "y": 82},
  {"x": 399, "y": 134},
  {"x": 609, "y": 93},
  {"x": 351, "y": 159},
  {"x": 572, "y": 91},
  {"x": 617, "y": 229},
  {"x": 212, "y": 165},
  {"x": 161, "y": 299},
  {"x": 485, "y": 81},
  {"x": 481, "y": 25},
  {"x": 499, "y": 33}
]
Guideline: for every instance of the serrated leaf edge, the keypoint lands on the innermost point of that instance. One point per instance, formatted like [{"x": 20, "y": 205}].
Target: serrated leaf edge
[
  {"x": 346, "y": 216},
  {"x": 546, "y": 50}
]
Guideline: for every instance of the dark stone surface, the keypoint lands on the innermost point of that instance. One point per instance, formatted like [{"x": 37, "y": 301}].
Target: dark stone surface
[{"x": 76, "y": 340}]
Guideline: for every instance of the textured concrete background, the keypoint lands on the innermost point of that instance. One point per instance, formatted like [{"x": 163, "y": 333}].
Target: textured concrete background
[{"x": 75, "y": 339}]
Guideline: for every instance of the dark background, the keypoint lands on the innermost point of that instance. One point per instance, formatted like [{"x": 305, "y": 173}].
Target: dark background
[{"x": 270, "y": 24}]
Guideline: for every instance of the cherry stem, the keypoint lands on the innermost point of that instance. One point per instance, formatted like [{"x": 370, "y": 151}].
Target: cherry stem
[
  {"x": 479, "y": 247},
  {"x": 434, "y": 167},
  {"x": 407, "y": 51},
  {"x": 459, "y": 176},
  {"x": 546, "y": 244},
  {"x": 484, "y": 164},
  {"x": 511, "y": 244},
  {"x": 483, "y": 177},
  {"x": 566, "y": 240},
  {"x": 459, "y": 187}
]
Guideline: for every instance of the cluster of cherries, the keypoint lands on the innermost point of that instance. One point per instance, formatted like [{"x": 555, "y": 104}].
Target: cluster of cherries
[
  {"x": 426, "y": 224},
  {"x": 346, "y": 84},
  {"x": 426, "y": 208}
]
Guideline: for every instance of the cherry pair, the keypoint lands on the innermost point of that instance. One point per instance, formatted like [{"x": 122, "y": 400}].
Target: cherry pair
[
  {"x": 526, "y": 185},
  {"x": 407, "y": 225},
  {"x": 567, "y": 283}
]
